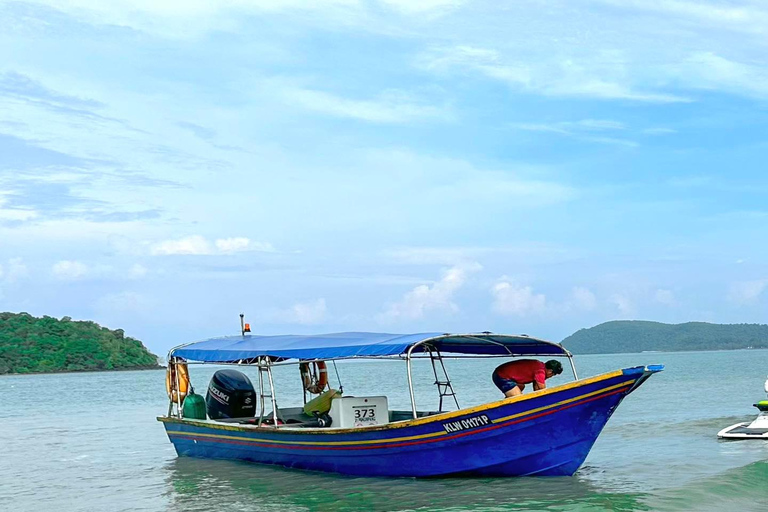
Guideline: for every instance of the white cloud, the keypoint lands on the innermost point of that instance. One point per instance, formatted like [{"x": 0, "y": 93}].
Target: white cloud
[
  {"x": 568, "y": 77},
  {"x": 126, "y": 302},
  {"x": 486, "y": 61},
  {"x": 304, "y": 313},
  {"x": 586, "y": 129},
  {"x": 572, "y": 127},
  {"x": 69, "y": 270},
  {"x": 239, "y": 244},
  {"x": 665, "y": 297},
  {"x": 232, "y": 244},
  {"x": 613, "y": 140},
  {"x": 707, "y": 70},
  {"x": 15, "y": 269},
  {"x": 692, "y": 181},
  {"x": 435, "y": 297},
  {"x": 437, "y": 255},
  {"x": 17, "y": 214},
  {"x": 310, "y": 312},
  {"x": 746, "y": 17},
  {"x": 577, "y": 85},
  {"x": 14, "y": 214},
  {"x": 600, "y": 124},
  {"x": 747, "y": 292},
  {"x": 137, "y": 271},
  {"x": 423, "y": 6},
  {"x": 177, "y": 18},
  {"x": 389, "y": 107},
  {"x": 199, "y": 245},
  {"x": 452, "y": 184},
  {"x": 583, "y": 298},
  {"x": 553, "y": 51},
  {"x": 194, "y": 244},
  {"x": 622, "y": 303},
  {"x": 500, "y": 186},
  {"x": 513, "y": 299},
  {"x": 659, "y": 131}
]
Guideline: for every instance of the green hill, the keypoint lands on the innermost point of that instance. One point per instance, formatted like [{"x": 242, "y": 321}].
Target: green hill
[
  {"x": 29, "y": 344},
  {"x": 638, "y": 336}
]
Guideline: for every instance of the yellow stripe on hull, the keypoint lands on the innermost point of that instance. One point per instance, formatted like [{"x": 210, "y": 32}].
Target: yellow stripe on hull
[
  {"x": 422, "y": 421},
  {"x": 570, "y": 400},
  {"x": 401, "y": 425},
  {"x": 312, "y": 443}
]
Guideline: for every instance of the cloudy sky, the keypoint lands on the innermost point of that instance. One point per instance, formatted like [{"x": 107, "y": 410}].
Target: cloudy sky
[{"x": 395, "y": 165}]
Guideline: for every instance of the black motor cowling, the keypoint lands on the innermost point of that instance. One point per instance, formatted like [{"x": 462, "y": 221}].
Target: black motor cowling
[{"x": 230, "y": 395}]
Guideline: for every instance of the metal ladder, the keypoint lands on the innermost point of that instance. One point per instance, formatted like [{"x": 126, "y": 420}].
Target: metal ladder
[
  {"x": 444, "y": 387},
  {"x": 265, "y": 367}
]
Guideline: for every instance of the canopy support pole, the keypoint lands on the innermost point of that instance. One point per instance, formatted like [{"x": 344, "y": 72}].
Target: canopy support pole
[
  {"x": 178, "y": 388},
  {"x": 272, "y": 392},
  {"x": 261, "y": 394},
  {"x": 410, "y": 381},
  {"x": 573, "y": 367},
  {"x": 338, "y": 378}
]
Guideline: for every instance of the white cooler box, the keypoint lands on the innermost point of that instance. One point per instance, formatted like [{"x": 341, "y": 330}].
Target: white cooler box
[{"x": 359, "y": 411}]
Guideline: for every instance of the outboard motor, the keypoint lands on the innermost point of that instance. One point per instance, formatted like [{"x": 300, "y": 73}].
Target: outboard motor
[{"x": 230, "y": 395}]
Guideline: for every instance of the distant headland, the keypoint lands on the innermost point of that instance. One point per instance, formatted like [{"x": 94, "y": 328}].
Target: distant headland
[
  {"x": 639, "y": 336},
  {"x": 47, "y": 345}
]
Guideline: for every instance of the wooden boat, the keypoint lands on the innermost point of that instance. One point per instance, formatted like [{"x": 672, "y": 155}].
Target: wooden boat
[{"x": 546, "y": 432}]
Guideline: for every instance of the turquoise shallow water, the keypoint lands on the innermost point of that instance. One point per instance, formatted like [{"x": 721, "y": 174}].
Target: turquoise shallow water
[{"x": 90, "y": 442}]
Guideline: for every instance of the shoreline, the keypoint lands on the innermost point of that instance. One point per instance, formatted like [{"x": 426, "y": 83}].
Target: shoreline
[
  {"x": 59, "y": 372},
  {"x": 669, "y": 351}
]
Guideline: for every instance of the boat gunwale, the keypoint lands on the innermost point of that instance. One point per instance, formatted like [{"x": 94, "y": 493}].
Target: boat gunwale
[{"x": 402, "y": 423}]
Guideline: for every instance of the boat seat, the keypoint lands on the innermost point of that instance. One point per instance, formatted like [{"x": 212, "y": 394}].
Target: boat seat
[{"x": 746, "y": 430}]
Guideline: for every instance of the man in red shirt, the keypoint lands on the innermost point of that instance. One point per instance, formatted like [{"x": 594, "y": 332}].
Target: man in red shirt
[{"x": 512, "y": 377}]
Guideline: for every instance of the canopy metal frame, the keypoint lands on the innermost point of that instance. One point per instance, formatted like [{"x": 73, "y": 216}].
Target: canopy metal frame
[
  {"x": 409, "y": 356},
  {"x": 265, "y": 367},
  {"x": 176, "y": 404},
  {"x": 427, "y": 349}
]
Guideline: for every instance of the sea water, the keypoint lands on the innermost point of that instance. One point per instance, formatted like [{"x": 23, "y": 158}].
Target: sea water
[{"x": 90, "y": 442}]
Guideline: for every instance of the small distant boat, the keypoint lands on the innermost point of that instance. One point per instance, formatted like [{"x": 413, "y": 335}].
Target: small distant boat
[
  {"x": 546, "y": 432},
  {"x": 757, "y": 429}
]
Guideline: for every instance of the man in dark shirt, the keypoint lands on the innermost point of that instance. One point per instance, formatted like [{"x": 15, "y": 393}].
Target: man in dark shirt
[{"x": 512, "y": 377}]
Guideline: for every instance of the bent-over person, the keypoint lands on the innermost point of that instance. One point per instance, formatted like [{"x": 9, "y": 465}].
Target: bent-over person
[{"x": 512, "y": 377}]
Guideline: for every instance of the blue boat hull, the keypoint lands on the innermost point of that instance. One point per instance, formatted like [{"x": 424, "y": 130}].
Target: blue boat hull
[{"x": 545, "y": 433}]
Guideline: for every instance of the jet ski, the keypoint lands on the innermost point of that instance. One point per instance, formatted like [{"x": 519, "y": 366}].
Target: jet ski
[{"x": 757, "y": 429}]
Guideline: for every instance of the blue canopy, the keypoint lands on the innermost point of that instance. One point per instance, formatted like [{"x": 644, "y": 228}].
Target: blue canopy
[{"x": 361, "y": 344}]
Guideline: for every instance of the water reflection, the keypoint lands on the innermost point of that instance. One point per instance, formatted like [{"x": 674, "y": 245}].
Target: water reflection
[{"x": 195, "y": 484}]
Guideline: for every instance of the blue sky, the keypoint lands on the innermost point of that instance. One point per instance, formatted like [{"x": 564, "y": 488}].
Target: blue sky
[{"x": 439, "y": 165}]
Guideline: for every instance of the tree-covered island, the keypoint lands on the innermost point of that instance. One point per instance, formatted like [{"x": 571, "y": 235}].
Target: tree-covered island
[
  {"x": 638, "y": 336},
  {"x": 31, "y": 345},
  {"x": 38, "y": 345}
]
